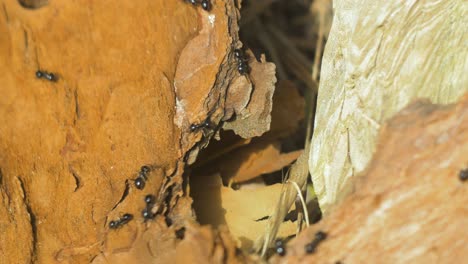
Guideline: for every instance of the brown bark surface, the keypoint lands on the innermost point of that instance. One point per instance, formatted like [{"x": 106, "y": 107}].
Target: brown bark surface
[
  {"x": 151, "y": 83},
  {"x": 410, "y": 205},
  {"x": 132, "y": 76}
]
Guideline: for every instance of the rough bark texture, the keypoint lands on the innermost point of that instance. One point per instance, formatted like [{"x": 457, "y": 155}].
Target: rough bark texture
[
  {"x": 410, "y": 205},
  {"x": 132, "y": 77},
  {"x": 380, "y": 56}
]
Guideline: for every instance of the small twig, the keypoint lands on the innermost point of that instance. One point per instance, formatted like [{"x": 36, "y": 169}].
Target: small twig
[{"x": 300, "y": 216}]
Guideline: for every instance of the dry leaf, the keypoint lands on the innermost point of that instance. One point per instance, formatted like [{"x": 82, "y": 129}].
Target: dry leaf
[
  {"x": 218, "y": 148},
  {"x": 243, "y": 211},
  {"x": 254, "y": 120},
  {"x": 254, "y": 160}
]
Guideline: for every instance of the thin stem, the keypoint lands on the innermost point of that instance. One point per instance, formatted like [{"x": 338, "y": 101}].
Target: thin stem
[{"x": 304, "y": 206}]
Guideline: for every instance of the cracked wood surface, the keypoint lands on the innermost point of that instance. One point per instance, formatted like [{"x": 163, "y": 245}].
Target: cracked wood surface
[
  {"x": 380, "y": 56},
  {"x": 409, "y": 205}
]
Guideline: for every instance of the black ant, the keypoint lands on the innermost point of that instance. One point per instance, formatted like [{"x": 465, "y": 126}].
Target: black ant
[
  {"x": 205, "y": 125},
  {"x": 139, "y": 183},
  {"x": 205, "y": 4},
  {"x": 238, "y": 54},
  {"x": 146, "y": 213},
  {"x": 180, "y": 233},
  {"x": 279, "y": 248},
  {"x": 149, "y": 199},
  {"x": 463, "y": 175},
  {"x": 142, "y": 177},
  {"x": 242, "y": 66},
  {"x": 114, "y": 224},
  {"x": 48, "y": 76},
  {"x": 319, "y": 237}
]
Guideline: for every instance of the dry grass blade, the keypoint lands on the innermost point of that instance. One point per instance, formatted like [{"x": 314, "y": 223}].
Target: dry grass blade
[
  {"x": 298, "y": 173},
  {"x": 301, "y": 197}
]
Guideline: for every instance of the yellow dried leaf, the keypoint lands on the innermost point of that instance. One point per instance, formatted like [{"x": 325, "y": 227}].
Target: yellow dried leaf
[
  {"x": 243, "y": 211},
  {"x": 254, "y": 160}
]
